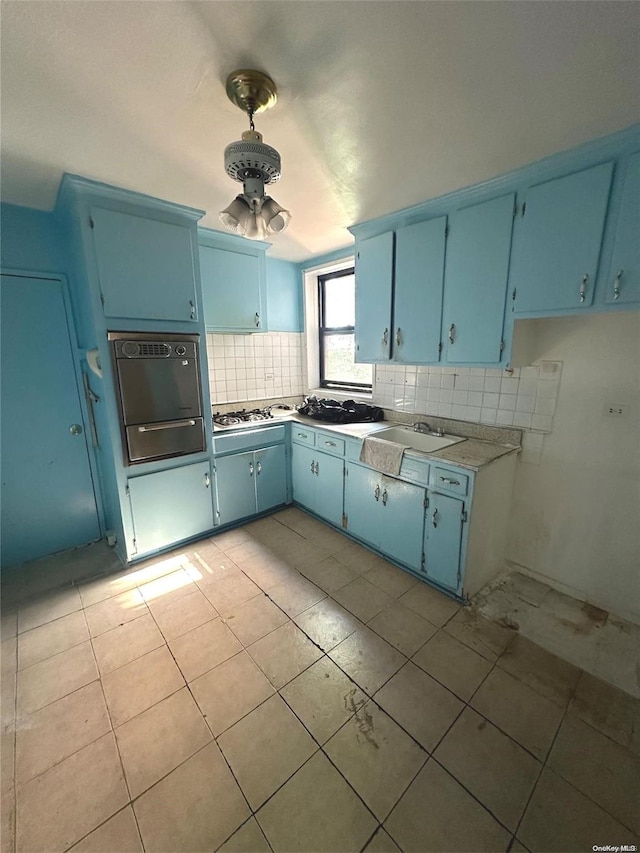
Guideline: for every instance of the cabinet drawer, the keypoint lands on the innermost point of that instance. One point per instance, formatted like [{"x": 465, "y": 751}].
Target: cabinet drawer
[
  {"x": 302, "y": 435},
  {"x": 446, "y": 480},
  {"x": 330, "y": 443},
  {"x": 416, "y": 470},
  {"x": 248, "y": 440}
]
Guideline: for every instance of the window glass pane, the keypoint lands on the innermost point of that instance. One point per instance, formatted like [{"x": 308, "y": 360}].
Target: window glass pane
[
  {"x": 340, "y": 302},
  {"x": 339, "y": 365}
]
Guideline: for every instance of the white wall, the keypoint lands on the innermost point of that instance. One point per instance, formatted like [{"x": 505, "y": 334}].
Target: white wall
[{"x": 576, "y": 513}]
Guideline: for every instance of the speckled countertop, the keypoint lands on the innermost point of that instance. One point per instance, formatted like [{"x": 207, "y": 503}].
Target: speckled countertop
[{"x": 483, "y": 444}]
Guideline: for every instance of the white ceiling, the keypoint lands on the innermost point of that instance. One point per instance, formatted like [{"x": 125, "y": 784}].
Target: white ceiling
[{"x": 381, "y": 104}]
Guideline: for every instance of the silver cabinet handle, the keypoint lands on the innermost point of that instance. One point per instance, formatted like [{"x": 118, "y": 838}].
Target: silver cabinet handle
[
  {"x": 616, "y": 286},
  {"x": 398, "y": 337},
  {"x": 167, "y": 425},
  {"x": 449, "y": 481},
  {"x": 376, "y": 493},
  {"x": 330, "y": 443},
  {"x": 257, "y": 320},
  {"x": 317, "y": 468},
  {"x": 302, "y": 435},
  {"x": 251, "y": 469},
  {"x": 452, "y": 333},
  {"x": 583, "y": 287},
  {"x": 384, "y": 497},
  {"x": 207, "y": 480},
  {"x": 75, "y": 429},
  {"x": 259, "y": 467},
  {"x": 193, "y": 309},
  {"x": 434, "y": 518},
  {"x": 385, "y": 337},
  {"x": 312, "y": 467}
]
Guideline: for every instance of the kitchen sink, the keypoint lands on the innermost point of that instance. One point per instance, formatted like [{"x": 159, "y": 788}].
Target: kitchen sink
[{"x": 417, "y": 440}]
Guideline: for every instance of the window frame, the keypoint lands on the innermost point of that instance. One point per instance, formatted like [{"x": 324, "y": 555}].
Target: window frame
[{"x": 324, "y": 330}]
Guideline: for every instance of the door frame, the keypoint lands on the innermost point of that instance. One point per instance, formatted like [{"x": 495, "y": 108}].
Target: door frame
[{"x": 77, "y": 358}]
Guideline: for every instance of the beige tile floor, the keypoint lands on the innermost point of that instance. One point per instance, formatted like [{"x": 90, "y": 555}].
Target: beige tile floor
[{"x": 278, "y": 687}]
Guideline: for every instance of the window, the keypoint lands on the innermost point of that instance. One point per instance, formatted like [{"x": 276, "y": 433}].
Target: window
[{"x": 336, "y": 315}]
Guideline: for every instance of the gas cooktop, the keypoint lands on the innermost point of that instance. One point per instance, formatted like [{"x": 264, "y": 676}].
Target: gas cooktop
[{"x": 247, "y": 415}]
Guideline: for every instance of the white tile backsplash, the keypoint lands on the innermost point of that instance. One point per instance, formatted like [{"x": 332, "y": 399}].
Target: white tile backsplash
[
  {"x": 255, "y": 367},
  {"x": 524, "y": 397}
]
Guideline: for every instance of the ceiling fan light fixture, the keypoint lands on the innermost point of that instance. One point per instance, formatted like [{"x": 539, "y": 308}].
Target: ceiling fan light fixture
[{"x": 252, "y": 162}]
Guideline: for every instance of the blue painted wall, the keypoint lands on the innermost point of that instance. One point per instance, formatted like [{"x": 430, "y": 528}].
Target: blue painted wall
[
  {"x": 31, "y": 240},
  {"x": 284, "y": 296}
]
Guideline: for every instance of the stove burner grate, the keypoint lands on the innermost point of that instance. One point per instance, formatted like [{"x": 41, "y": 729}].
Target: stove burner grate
[{"x": 242, "y": 416}]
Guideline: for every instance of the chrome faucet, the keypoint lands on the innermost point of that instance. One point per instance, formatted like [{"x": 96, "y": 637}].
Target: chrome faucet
[{"x": 423, "y": 426}]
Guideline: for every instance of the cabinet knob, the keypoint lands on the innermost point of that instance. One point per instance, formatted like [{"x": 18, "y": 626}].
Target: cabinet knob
[
  {"x": 75, "y": 429},
  {"x": 376, "y": 493},
  {"x": 257, "y": 320},
  {"x": 259, "y": 467},
  {"x": 313, "y": 465},
  {"x": 616, "y": 286},
  {"x": 449, "y": 481},
  {"x": 207, "y": 480},
  {"x": 317, "y": 468},
  {"x": 452, "y": 333},
  {"x": 398, "y": 337},
  {"x": 193, "y": 309},
  {"x": 251, "y": 469},
  {"x": 434, "y": 518},
  {"x": 385, "y": 337},
  {"x": 330, "y": 443},
  {"x": 583, "y": 287},
  {"x": 384, "y": 497}
]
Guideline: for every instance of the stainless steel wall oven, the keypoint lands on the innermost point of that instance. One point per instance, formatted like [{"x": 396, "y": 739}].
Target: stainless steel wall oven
[{"x": 159, "y": 394}]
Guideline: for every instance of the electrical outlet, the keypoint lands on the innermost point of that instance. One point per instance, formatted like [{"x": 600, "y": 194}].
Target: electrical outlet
[{"x": 615, "y": 410}]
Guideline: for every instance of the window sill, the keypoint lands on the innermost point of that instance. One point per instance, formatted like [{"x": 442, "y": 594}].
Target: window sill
[{"x": 335, "y": 394}]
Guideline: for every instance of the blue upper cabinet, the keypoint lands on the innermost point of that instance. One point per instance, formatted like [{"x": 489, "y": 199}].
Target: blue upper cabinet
[
  {"x": 475, "y": 284},
  {"x": 233, "y": 283},
  {"x": 146, "y": 267},
  {"x": 419, "y": 271},
  {"x": 400, "y": 272},
  {"x": 623, "y": 282},
  {"x": 558, "y": 241},
  {"x": 374, "y": 283}
]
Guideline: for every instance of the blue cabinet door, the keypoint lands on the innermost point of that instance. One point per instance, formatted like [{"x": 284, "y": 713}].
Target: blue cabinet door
[
  {"x": 402, "y": 521},
  {"x": 169, "y": 506},
  {"x": 623, "y": 282},
  {"x": 374, "y": 282},
  {"x": 557, "y": 247},
  {"x": 443, "y": 540},
  {"x": 303, "y": 476},
  {"x": 47, "y": 501},
  {"x": 363, "y": 488},
  {"x": 235, "y": 487},
  {"x": 419, "y": 275},
  {"x": 475, "y": 285},
  {"x": 329, "y": 494},
  {"x": 146, "y": 268},
  {"x": 233, "y": 290},
  {"x": 271, "y": 477}
]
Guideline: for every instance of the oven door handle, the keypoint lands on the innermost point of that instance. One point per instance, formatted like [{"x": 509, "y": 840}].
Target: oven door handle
[{"x": 166, "y": 425}]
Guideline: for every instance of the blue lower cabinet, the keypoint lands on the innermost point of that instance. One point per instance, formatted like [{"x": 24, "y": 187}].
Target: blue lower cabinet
[
  {"x": 386, "y": 513},
  {"x": 443, "y": 540},
  {"x": 235, "y": 487},
  {"x": 170, "y": 506},
  {"x": 249, "y": 483},
  {"x": 318, "y": 483},
  {"x": 270, "y": 476}
]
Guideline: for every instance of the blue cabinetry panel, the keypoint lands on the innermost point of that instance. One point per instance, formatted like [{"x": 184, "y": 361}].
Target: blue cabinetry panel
[
  {"x": 271, "y": 479},
  {"x": 443, "y": 540},
  {"x": 303, "y": 475},
  {"x": 623, "y": 282},
  {"x": 401, "y": 521},
  {"x": 362, "y": 503},
  {"x": 318, "y": 482},
  {"x": 374, "y": 277},
  {"x": 419, "y": 272},
  {"x": 146, "y": 267},
  {"x": 557, "y": 247},
  {"x": 169, "y": 506},
  {"x": 233, "y": 288},
  {"x": 235, "y": 487},
  {"x": 476, "y": 276}
]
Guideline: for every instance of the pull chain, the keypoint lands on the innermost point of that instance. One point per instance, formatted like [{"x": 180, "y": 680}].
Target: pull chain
[{"x": 251, "y": 122}]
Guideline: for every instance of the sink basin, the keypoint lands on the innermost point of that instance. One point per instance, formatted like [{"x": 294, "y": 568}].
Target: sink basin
[{"x": 417, "y": 440}]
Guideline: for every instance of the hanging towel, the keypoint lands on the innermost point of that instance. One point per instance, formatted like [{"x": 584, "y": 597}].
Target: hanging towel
[{"x": 385, "y": 456}]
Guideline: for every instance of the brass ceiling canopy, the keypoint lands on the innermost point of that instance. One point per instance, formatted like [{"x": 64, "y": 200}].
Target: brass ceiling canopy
[{"x": 252, "y": 91}]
